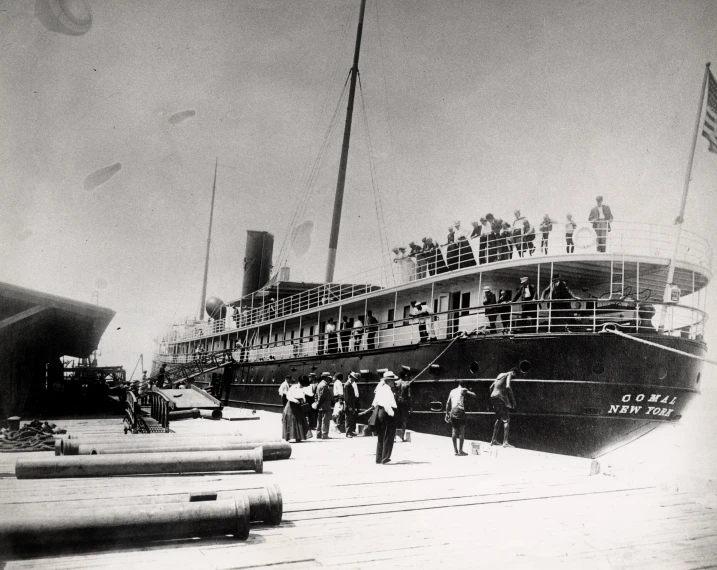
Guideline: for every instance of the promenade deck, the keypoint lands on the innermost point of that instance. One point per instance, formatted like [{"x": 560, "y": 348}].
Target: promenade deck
[{"x": 427, "y": 509}]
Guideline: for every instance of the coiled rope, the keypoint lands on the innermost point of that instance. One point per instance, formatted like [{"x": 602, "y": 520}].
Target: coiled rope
[{"x": 34, "y": 436}]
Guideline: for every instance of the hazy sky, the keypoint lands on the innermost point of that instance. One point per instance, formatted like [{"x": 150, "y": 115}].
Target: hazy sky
[{"x": 472, "y": 106}]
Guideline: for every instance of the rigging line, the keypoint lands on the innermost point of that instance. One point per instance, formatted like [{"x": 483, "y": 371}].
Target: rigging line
[
  {"x": 302, "y": 202},
  {"x": 606, "y": 328},
  {"x": 461, "y": 335},
  {"x": 392, "y": 156},
  {"x": 313, "y": 171},
  {"x": 378, "y": 204}
]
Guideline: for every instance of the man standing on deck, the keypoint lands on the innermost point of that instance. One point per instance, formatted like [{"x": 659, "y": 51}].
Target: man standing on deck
[
  {"x": 502, "y": 400},
  {"x": 351, "y": 402},
  {"x": 529, "y": 308},
  {"x": 601, "y": 216},
  {"x": 371, "y": 330},
  {"x": 345, "y": 334},
  {"x": 456, "y": 415},
  {"x": 559, "y": 296},
  {"x": 358, "y": 332},
  {"x": 425, "y": 322},
  {"x": 323, "y": 406},
  {"x": 489, "y": 301}
]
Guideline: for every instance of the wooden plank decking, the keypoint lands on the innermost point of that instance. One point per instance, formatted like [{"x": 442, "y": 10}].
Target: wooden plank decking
[{"x": 428, "y": 509}]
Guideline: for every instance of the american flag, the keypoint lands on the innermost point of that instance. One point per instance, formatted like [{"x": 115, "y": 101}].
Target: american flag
[{"x": 709, "y": 129}]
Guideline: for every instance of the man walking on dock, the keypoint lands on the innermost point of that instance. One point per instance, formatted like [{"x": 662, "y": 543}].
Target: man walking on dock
[
  {"x": 323, "y": 406},
  {"x": 385, "y": 403},
  {"x": 351, "y": 403},
  {"x": 456, "y": 415},
  {"x": 502, "y": 400}
]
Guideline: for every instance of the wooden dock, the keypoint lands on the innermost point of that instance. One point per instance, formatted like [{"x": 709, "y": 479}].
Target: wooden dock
[{"x": 427, "y": 509}]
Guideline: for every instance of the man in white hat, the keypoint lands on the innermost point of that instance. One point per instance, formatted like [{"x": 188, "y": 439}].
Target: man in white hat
[{"x": 385, "y": 404}]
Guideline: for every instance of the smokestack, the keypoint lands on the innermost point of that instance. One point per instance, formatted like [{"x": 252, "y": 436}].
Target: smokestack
[{"x": 257, "y": 261}]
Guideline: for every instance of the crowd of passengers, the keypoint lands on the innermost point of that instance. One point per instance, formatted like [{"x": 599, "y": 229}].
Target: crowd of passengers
[{"x": 499, "y": 240}]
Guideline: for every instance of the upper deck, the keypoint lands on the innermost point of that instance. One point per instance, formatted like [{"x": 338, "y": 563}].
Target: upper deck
[{"x": 635, "y": 262}]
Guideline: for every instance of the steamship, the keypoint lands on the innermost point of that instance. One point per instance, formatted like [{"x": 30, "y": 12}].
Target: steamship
[{"x": 619, "y": 359}]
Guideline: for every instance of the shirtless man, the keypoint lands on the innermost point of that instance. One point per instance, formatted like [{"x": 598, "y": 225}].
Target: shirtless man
[{"x": 502, "y": 400}]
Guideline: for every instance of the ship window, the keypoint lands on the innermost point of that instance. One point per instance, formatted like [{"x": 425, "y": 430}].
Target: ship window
[
  {"x": 435, "y": 306},
  {"x": 389, "y": 318},
  {"x": 524, "y": 366},
  {"x": 474, "y": 367},
  {"x": 406, "y": 311},
  {"x": 663, "y": 373},
  {"x": 465, "y": 303},
  {"x": 436, "y": 406}
]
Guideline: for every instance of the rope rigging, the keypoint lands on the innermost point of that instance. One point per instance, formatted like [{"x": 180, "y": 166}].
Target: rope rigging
[
  {"x": 378, "y": 204},
  {"x": 609, "y": 329}
]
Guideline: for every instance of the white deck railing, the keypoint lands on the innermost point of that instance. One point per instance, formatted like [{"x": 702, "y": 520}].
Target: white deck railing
[
  {"x": 625, "y": 238},
  {"x": 546, "y": 317}
]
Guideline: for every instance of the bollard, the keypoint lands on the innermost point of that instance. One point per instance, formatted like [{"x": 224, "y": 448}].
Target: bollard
[
  {"x": 13, "y": 423},
  {"x": 41, "y": 528},
  {"x": 140, "y": 464},
  {"x": 265, "y": 503},
  {"x": 272, "y": 450}
]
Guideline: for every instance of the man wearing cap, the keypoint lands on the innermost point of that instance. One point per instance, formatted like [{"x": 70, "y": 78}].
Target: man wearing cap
[
  {"x": 489, "y": 300},
  {"x": 558, "y": 293},
  {"x": 456, "y": 415},
  {"x": 323, "y": 406},
  {"x": 529, "y": 308},
  {"x": 351, "y": 402},
  {"x": 600, "y": 216},
  {"x": 385, "y": 403}
]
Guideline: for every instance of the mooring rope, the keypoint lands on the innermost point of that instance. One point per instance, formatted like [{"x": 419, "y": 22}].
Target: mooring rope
[
  {"x": 656, "y": 345},
  {"x": 461, "y": 335}
]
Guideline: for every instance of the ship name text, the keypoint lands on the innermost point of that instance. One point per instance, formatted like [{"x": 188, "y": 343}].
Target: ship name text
[{"x": 642, "y": 406}]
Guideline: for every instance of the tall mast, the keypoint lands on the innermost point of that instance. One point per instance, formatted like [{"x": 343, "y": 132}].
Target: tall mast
[
  {"x": 209, "y": 241},
  {"x": 339, "y": 198}
]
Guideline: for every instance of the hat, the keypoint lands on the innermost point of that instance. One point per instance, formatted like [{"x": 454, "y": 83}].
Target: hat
[
  {"x": 523, "y": 279},
  {"x": 486, "y": 288},
  {"x": 598, "y": 198},
  {"x": 354, "y": 375},
  {"x": 556, "y": 276},
  {"x": 288, "y": 377},
  {"x": 338, "y": 376},
  {"x": 388, "y": 375},
  {"x": 326, "y": 375}
]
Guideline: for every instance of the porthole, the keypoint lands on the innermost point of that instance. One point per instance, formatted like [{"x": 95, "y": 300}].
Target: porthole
[
  {"x": 436, "y": 406},
  {"x": 663, "y": 373},
  {"x": 524, "y": 366},
  {"x": 598, "y": 368},
  {"x": 474, "y": 367}
]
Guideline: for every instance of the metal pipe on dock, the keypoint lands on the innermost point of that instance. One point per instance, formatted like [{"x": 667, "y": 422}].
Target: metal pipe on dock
[
  {"x": 39, "y": 528},
  {"x": 184, "y": 414},
  {"x": 265, "y": 502},
  {"x": 71, "y": 446},
  {"x": 271, "y": 450},
  {"x": 140, "y": 464}
]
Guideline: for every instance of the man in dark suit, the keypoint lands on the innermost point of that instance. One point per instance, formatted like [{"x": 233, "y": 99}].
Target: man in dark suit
[
  {"x": 601, "y": 216},
  {"x": 490, "y": 311},
  {"x": 529, "y": 308},
  {"x": 559, "y": 295}
]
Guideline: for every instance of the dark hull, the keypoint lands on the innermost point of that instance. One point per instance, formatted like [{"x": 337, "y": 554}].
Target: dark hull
[{"x": 579, "y": 394}]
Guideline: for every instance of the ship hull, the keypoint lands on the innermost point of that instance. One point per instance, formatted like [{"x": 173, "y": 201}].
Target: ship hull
[{"x": 577, "y": 394}]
